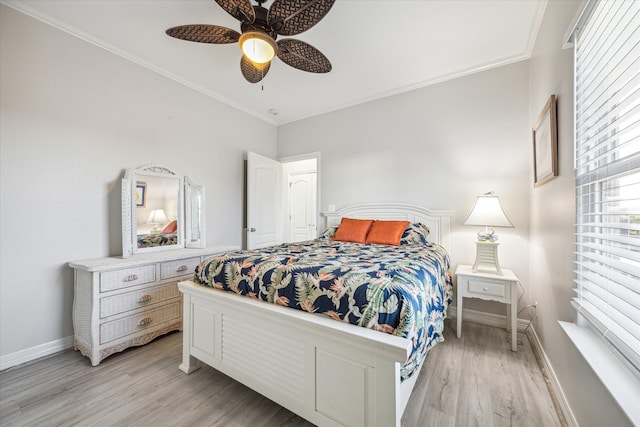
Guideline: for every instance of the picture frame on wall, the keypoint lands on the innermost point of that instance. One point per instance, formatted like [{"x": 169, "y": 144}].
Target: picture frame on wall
[
  {"x": 545, "y": 144},
  {"x": 141, "y": 194}
]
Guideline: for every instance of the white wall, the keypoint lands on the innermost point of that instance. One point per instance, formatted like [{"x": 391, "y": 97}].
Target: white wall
[
  {"x": 73, "y": 117},
  {"x": 439, "y": 147},
  {"x": 552, "y": 222}
]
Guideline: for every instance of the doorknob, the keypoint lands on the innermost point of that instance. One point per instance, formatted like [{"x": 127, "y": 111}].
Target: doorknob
[{"x": 253, "y": 230}]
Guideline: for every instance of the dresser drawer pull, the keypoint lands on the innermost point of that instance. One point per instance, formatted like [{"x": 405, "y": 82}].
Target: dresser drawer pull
[
  {"x": 485, "y": 289},
  {"x": 181, "y": 269},
  {"x": 130, "y": 278},
  {"x": 145, "y": 298},
  {"x": 145, "y": 321}
]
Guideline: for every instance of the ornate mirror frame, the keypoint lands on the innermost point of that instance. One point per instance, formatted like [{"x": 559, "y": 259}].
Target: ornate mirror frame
[{"x": 190, "y": 233}]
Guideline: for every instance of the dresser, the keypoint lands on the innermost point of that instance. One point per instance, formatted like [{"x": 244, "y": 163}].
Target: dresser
[{"x": 120, "y": 303}]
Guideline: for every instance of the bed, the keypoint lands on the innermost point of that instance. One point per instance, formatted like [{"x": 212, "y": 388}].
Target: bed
[{"x": 329, "y": 372}]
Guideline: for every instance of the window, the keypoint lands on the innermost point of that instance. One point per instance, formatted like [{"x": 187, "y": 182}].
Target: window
[{"x": 607, "y": 162}]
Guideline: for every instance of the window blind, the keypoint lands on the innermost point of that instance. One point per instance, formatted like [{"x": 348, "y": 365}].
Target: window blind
[{"x": 607, "y": 167}]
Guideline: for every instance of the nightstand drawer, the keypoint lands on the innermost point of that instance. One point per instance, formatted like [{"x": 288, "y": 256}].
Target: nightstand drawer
[{"x": 481, "y": 287}]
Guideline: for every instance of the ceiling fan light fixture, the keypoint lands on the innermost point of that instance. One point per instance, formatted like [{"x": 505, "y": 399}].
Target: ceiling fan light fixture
[
  {"x": 258, "y": 47},
  {"x": 259, "y": 30}
]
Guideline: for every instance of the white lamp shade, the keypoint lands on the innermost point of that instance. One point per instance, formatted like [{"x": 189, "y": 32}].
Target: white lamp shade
[
  {"x": 487, "y": 212},
  {"x": 157, "y": 216}
]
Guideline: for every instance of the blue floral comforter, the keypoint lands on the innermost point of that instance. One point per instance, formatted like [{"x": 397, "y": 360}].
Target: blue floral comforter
[{"x": 401, "y": 290}]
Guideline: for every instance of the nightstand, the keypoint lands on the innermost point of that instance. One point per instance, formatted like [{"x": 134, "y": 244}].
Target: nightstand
[{"x": 491, "y": 287}]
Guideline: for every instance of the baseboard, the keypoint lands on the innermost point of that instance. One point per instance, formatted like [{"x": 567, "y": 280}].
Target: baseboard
[
  {"x": 557, "y": 394},
  {"x": 33, "y": 353},
  {"x": 489, "y": 319}
]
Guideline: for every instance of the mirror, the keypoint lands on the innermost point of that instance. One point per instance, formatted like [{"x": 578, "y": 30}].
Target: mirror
[
  {"x": 194, "y": 214},
  {"x": 153, "y": 211}
]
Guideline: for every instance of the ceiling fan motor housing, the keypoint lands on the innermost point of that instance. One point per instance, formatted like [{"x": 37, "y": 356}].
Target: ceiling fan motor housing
[{"x": 260, "y": 24}]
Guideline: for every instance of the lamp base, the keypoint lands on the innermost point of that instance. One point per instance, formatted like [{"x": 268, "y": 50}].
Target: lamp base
[{"x": 487, "y": 255}]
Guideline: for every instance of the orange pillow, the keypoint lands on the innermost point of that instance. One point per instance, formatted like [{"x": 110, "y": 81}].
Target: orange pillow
[
  {"x": 171, "y": 228},
  {"x": 353, "y": 230},
  {"x": 386, "y": 232}
]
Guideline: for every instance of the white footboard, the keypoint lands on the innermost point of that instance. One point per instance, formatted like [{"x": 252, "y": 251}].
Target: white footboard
[{"x": 328, "y": 372}]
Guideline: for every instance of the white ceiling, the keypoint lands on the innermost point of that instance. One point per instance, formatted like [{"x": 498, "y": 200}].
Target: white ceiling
[{"x": 377, "y": 47}]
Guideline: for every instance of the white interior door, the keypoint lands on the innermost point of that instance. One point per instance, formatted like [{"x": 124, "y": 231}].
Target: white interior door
[
  {"x": 264, "y": 202},
  {"x": 302, "y": 206}
]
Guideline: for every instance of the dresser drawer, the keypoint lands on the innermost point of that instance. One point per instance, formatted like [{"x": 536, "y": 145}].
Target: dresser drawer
[
  {"x": 487, "y": 288},
  {"x": 178, "y": 268},
  {"x": 132, "y": 300},
  {"x": 138, "y": 322},
  {"x": 112, "y": 280}
]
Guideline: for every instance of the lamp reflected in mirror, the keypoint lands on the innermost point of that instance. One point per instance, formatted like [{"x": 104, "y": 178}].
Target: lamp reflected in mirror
[{"x": 156, "y": 218}]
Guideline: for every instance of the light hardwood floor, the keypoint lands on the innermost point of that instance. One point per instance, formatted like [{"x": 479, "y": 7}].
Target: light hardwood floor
[{"x": 473, "y": 381}]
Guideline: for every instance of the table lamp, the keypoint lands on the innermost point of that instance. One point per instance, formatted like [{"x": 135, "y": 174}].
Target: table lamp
[{"x": 487, "y": 212}]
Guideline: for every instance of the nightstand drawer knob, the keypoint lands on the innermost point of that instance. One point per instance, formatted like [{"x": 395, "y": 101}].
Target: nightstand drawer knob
[
  {"x": 181, "y": 269},
  {"x": 485, "y": 289},
  {"x": 130, "y": 278}
]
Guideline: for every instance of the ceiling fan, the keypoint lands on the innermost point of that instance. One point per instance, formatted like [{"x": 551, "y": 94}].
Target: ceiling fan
[{"x": 260, "y": 28}]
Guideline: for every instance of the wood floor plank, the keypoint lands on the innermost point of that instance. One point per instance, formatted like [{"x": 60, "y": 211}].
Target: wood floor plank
[
  {"x": 473, "y": 381},
  {"x": 478, "y": 380}
]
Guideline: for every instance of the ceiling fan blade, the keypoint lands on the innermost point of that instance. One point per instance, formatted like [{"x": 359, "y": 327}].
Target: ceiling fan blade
[
  {"x": 303, "y": 56},
  {"x": 242, "y": 10},
  {"x": 291, "y": 17},
  {"x": 204, "y": 34},
  {"x": 253, "y": 73}
]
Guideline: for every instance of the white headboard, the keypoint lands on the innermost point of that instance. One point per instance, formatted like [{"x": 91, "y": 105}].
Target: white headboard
[{"x": 438, "y": 221}]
